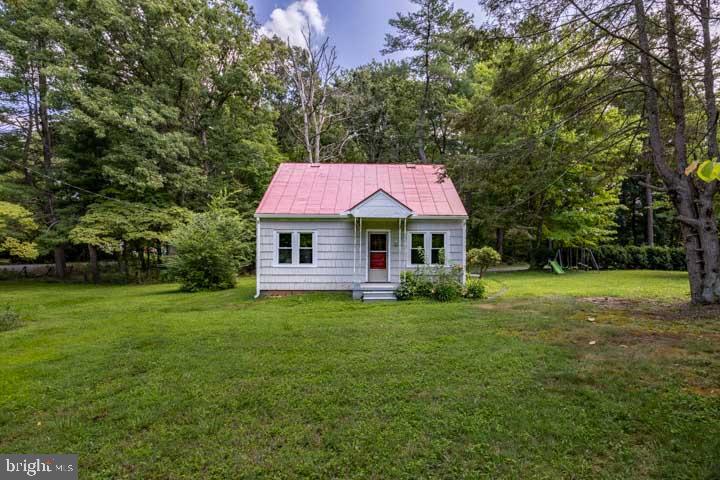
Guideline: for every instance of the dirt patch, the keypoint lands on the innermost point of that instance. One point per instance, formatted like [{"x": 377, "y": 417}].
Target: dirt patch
[
  {"x": 609, "y": 302},
  {"x": 703, "y": 391},
  {"x": 487, "y": 306},
  {"x": 655, "y": 309},
  {"x": 642, "y": 337}
]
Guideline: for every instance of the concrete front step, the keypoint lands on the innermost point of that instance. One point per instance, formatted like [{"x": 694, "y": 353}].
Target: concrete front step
[
  {"x": 376, "y": 292},
  {"x": 379, "y": 298},
  {"x": 366, "y": 287},
  {"x": 378, "y": 295}
]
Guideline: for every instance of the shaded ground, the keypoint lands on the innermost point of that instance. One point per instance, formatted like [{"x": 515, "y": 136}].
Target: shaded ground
[{"x": 587, "y": 375}]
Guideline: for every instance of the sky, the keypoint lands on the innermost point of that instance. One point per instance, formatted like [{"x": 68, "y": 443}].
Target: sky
[{"x": 356, "y": 27}]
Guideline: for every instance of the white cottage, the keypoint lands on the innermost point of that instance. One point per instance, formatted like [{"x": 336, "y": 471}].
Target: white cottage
[{"x": 355, "y": 227}]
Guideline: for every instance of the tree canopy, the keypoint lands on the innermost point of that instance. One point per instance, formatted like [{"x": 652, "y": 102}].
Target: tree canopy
[{"x": 577, "y": 123}]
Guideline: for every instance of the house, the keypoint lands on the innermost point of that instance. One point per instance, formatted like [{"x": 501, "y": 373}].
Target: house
[{"x": 355, "y": 227}]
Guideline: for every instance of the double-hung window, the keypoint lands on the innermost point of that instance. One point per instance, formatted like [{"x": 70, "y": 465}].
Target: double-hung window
[
  {"x": 295, "y": 248},
  {"x": 427, "y": 248},
  {"x": 417, "y": 249}
]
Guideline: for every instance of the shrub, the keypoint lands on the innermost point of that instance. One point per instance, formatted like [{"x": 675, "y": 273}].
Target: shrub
[
  {"x": 645, "y": 258},
  {"x": 404, "y": 292},
  {"x": 474, "y": 288},
  {"x": 480, "y": 259},
  {"x": 413, "y": 285},
  {"x": 439, "y": 283},
  {"x": 211, "y": 250},
  {"x": 9, "y": 319},
  {"x": 446, "y": 290}
]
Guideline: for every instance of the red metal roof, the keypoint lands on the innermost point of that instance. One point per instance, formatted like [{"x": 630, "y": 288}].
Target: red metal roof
[{"x": 333, "y": 188}]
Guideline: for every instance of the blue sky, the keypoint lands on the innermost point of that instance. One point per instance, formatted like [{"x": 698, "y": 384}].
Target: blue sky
[{"x": 356, "y": 27}]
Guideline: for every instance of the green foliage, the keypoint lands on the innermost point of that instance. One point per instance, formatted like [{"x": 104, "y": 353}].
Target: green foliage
[
  {"x": 480, "y": 259},
  {"x": 17, "y": 229},
  {"x": 446, "y": 289},
  {"x": 619, "y": 257},
  {"x": 111, "y": 225},
  {"x": 413, "y": 285},
  {"x": 157, "y": 104},
  {"x": 474, "y": 289},
  {"x": 211, "y": 250},
  {"x": 9, "y": 319},
  {"x": 524, "y": 168},
  {"x": 587, "y": 225},
  {"x": 641, "y": 257},
  {"x": 708, "y": 171},
  {"x": 383, "y": 99},
  {"x": 439, "y": 283},
  {"x": 434, "y": 34}
]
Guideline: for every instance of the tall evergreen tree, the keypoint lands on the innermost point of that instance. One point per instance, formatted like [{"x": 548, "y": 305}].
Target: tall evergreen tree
[{"x": 433, "y": 33}]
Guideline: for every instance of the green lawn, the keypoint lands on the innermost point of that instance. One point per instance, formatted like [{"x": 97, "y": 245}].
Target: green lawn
[{"x": 144, "y": 382}]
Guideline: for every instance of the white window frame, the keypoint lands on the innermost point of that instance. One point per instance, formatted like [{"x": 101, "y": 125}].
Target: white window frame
[
  {"x": 427, "y": 245},
  {"x": 295, "y": 242}
]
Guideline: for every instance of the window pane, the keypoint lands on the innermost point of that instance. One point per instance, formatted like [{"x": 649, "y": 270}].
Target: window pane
[
  {"x": 438, "y": 240},
  {"x": 418, "y": 240},
  {"x": 437, "y": 257},
  {"x": 285, "y": 255},
  {"x": 416, "y": 257},
  {"x": 285, "y": 240},
  {"x": 378, "y": 242},
  {"x": 306, "y": 255},
  {"x": 306, "y": 240}
]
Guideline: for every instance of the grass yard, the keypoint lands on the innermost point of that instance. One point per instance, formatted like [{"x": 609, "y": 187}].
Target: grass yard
[{"x": 144, "y": 382}]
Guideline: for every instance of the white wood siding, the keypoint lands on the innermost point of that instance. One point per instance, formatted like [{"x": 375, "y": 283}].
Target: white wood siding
[{"x": 333, "y": 251}]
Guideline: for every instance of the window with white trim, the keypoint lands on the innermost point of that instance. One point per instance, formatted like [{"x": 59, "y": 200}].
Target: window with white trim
[
  {"x": 305, "y": 251},
  {"x": 295, "y": 248},
  {"x": 417, "y": 249},
  {"x": 285, "y": 250},
  {"x": 427, "y": 248}
]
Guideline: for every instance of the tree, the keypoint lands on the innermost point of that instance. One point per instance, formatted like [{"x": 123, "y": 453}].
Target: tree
[
  {"x": 381, "y": 99},
  {"x": 123, "y": 228},
  {"x": 527, "y": 174},
  {"x": 17, "y": 229},
  {"x": 660, "y": 53},
  {"x": 32, "y": 47},
  {"x": 434, "y": 33},
  {"x": 212, "y": 249},
  {"x": 313, "y": 69},
  {"x": 153, "y": 104}
]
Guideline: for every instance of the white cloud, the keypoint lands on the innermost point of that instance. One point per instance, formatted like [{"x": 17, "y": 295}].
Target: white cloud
[{"x": 289, "y": 24}]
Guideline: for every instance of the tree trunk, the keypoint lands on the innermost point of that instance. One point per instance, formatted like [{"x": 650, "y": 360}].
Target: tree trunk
[
  {"x": 649, "y": 214},
  {"x": 59, "y": 253},
  {"x": 420, "y": 127},
  {"x": 499, "y": 240},
  {"x": 693, "y": 203},
  {"x": 633, "y": 220},
  {"x": 94, "y": 270}
]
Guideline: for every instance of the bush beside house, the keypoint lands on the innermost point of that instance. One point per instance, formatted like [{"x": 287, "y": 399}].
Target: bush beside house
[
  {"x": 480, "y": 259},
  {"x": 440, "y": 284},
  {"x": 212, "y": 249}
]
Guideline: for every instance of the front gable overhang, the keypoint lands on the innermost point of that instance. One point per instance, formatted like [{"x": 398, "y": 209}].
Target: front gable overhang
[{"x": 380, "y": 204}]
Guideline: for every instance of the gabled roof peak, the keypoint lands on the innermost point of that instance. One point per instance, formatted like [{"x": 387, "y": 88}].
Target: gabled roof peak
[{"x": 380, "y": 204}]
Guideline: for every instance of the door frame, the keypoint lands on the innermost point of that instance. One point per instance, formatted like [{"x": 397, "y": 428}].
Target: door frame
[{"x": 388, "y": 245}]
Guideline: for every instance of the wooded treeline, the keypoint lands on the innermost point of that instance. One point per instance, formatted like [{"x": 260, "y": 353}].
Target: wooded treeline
[{"x": 562, "y": 122}]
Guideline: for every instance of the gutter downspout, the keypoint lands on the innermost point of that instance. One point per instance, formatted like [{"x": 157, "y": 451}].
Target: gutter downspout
[{"x": 257, "y": 257}]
